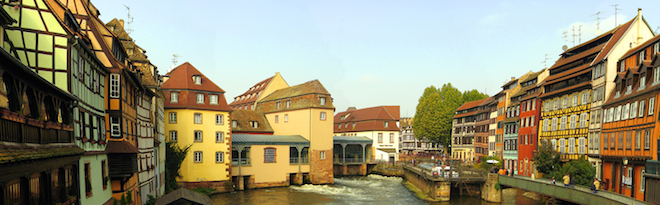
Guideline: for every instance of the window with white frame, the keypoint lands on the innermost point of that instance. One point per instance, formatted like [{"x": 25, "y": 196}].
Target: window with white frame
[
  {"x": 114, "y": 127},
  {"x": 562, "y": 123},
  {"x": 213, "y": 99},
  {"x": 288, "y": 103},
  {"x": 533, "y": 104},
  {"x": 173, "y": 136},
  {"x": 200, "y": 98},
  {"x": 638, "y": 138},
  {"x": 219, "y": 119},
  {"x": 197, "y": 79},
  {"x": 546, "y": 123},
  {"x": 322, "y": 100},
  {"x": 581, "y": 145},
  {"x": 198, "y": 118},
  {"x": 622, "y": 66},
  {"x": 557, "y": 107},
  {"x": 286, "y": 117},
  {"x": 565, "y": 102},
  {"x": 585, "y": 97},
  {"x": 626, "y": 112},
  {"x": 114, "y": 85},
  {"x": 562, "y": 145},
  {"x": 323, "y": 115},
  {"x": 172, "y": 117},
  {"x": 647, "y": 139},
  {"x": 641, "y": 108},
  {"x": 219, "y": 157},
  {"x": 198, "y": 156},
  {"x": 277, "y": 104},
  {"x": 322, "y": 155},
  {"x": 642, "y": 57},
  {"x": 633, "y": 110},
  {"x": 234, "y": 123},
  {"x": 174, "y": 97},
  {"x": 553, "y": 126},
  {"x": 656, "y": 48},
  {"x": 199, "y": 136},
  {"x": 573, "y": 121},
  {"x": 219, "y": 137},
  {"x": 554, "y": 144},
  {"x": 532, "y": 121},
  {"x": 617, "y": 113},
  {"x": 583, "y": 120},
  {"x": 651, "y": 105},
  {"x": 642, "y": 81},
  {"x": 575, "y": 99}
]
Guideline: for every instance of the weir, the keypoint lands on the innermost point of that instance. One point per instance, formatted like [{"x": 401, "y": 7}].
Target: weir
[{"x": 466, "y": 181}]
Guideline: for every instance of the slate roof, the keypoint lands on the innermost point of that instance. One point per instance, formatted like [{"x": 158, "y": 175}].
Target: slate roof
[
  {"x": 471, "y": 104},
  {"x": 17, "y": 153},
  {"x": 351, "y": 140},
  {"x": 256, "y": 139},
  {"x": 300, "y": 95},
  {"x": 244, "y": 117},
  {"x": 259, "y": 87},
  {"x": 368, "y": 119},
  {"x": 311, "y": 87}
]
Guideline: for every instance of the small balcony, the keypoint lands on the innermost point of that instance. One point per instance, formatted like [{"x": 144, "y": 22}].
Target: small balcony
[
  {"x": 244, "y": 162},
  {"x": 294, "y": 160},
  {"x": 20, "y": 129}
]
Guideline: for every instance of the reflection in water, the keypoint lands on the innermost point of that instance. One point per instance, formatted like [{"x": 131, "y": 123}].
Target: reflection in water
[{"x": 372, "y": 189}]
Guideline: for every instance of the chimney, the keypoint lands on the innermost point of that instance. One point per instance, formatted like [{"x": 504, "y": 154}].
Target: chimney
[
  {"x": 639, "y": 26},
  {"x": 513, "y": 78},
  {"x": 121, "y": 22}
]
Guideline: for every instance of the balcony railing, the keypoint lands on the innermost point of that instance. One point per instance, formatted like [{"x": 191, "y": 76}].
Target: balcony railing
[
  {"x": 339, "y": 160},
  {"x": 19, "y": 129},
  {"x": 294, "y": 160},
  {"x": 244, "y": 161}
]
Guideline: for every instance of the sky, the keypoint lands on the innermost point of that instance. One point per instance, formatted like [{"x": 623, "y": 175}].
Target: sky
[{"x": 367, "y": 53}]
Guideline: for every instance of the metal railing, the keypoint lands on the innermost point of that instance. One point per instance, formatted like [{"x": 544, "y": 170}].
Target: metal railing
[
  {"x": 244, "y": 161},
  {"x": 294, "y": 160},
  {"x": 25, "y": 130}
]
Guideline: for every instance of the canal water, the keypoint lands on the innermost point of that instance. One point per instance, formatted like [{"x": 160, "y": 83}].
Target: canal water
[{"x": 372, "y": 189}]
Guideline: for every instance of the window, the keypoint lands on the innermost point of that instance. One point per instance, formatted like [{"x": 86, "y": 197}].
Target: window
[
  {"x": 104, "y": 173},
  {"x": 642, "y": 57},
  {"x": 573, "y": 121},
  {"x": 198, "y": 136},
  {"x": 277, "y": 118},
  {"x": 278, "y": 105},
  {"x": 642, "y": 81},
  {"x": 200, "y": 98},
  {"x": 622, "y": 66},
  {"x": 213, "y": 99},
  {"x": 322, "y": 115},
  {"x": 656, "y": 75},
  {"x": 88, "y": 180},
  {"x": 620, "y": 144},
  {"x": 172, "y": 117},
  {"x": 612, "y": 140},
  {"x": 565, "y": 102},
  {"x": 642, "y": 178},
  {"x": 638, "y": 138},
  {"x": 386, "y": 124},
  {"x": 534, "y": 104},
  {"x": 322, "y": 101},
  {"x": 322, "y": 155},
  {"x": 234, "y": 123},
  {"x": 198, "y": 156},
  {"x": 391, "y": 137},
  {"x": 562, "y": 145},
  {"x": 641, "y": 108},
  {"x": 625, "y": 112},
  {"x": 198, "y": 118},
  {"x": 617, "y": 113},
  {"x": 286, "y": 117},
  {"x": 571, "y": 145},
  {"x": 114, "y": 127},
  {"x": 269, "y": 155},
  {"x": 583, "y": 120},
  {"x": 254, "y": 124},
  {"x": 174, "y": 97},
  {"x": 219, "y": 157},
  {"x": 532, "y": 121},
  {"x": 647, "y": 139},
  {"x": 546, "y": 122},
  {"x": 585, "y": 97},
  {"x": 606, "y": 140},
  {"x": 114, "y": 85},
  {"x": 553, "y": 125},
  {"x": 651, "y": 105},
  {"x": 219, "y": 137},
  {"x": 562, "y": 122},
  {"x": 219, "y": 119},
  {"x": 288, "y": 103},
  {"x": 173, "y": 136},
  {"x": 380, "y": 137},
  {"x": 633, "y": 110},
  {"x": 629, "y": 139},
  {"x": 197, "y": 79}
]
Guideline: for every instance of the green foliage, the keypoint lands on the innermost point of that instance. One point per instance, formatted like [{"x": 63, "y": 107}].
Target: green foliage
[
  {"x": 129, "y": 197},
  {"x": 174, "y": 157},
  {"x": 546, "y": 159},
  {"x": 436, "y": 109},
  {"x": 581, "y": 170},
  {"x": 151, "y": 200},
  {"x": 204, "y": 190},
  {"x": 487, "y": 166},
  {"x": 497, "y": 186},
  {"x": 229, "y": 185}
]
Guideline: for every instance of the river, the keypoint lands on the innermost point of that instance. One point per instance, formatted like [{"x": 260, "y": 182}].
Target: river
[{"x": 372, "y": 189}]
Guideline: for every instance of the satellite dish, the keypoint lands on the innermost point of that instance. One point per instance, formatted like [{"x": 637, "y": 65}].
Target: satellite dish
[
  {"x": 598, "y": 32},
  {"x": 564, "y": 47}
]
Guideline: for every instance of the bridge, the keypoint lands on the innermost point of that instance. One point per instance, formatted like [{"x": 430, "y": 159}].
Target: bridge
[
  {"x": 578, "y": 194},
  {"x": 441, "y": 187}
]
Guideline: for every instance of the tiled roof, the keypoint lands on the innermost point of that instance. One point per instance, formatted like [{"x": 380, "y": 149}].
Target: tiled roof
[
  {"x": 564, "y": 61},
  {"x": 311, "y": 87},
  {"x": 181, "y": 78},
  {"x": 469, "y": 105},
  {"x": 568, "y": 74},
  {"x": 253, "y": 93},
  {"x": 252, "y": 139},
  {"x": 244, "y": 117},
  {"x": 566, "y": 89},
  {"x": 640, "y": 47},
  {"x": 121, "y": 147},
  {"x": 17, "y": 153},
  {"x": 618, "y": 33},
  {"x": 351, "y": 140},
  {"x": 635, "y": 88},
  {"x": 372, "y": 113},
  {"x": 465, "y": 114},
  {"x": 487, "y": 101}
]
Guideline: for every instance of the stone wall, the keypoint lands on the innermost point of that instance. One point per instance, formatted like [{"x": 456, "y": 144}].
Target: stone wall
[
  {"x": 219, "y": 186},
  {"x": 321, "y": 170}
]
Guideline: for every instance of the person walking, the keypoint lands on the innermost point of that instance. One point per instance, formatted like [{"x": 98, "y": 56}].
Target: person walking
[
  {"x": 567, "y": 180},
  {"x": 553, "y": 180},
  {"x": 596, "y": 185}
]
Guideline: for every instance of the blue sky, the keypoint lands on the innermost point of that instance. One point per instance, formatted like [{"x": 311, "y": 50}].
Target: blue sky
[{"x": 366, "y": 53}]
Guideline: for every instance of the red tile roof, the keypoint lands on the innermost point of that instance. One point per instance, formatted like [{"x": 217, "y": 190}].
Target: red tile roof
[
  {"x": 465, "y": 114},
  {"x": 564, "y": 61},
  {"x": 571, "y": 73},
  {"x": 469, "y": 105},
  {"x": 181, "y": 80},
  {"x": 644, "y": 45},
  {"x": 251, "y": 94},
  {"x": 618, "y": 33},
  {"x": 372, "y": 118}
]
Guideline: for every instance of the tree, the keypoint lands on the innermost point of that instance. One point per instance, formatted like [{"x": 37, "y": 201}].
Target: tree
[
  {"x": 174, "y": 157},
  {"x": 436, "y": 109},
  {"x": 581, "y": 170},
  {"x": 546, "y": 159},
  {"x": 487, "y": 166}
]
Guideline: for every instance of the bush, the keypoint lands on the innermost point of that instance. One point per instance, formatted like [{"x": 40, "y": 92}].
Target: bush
[
  {"x": 581, "y": 170},
  {"x": 204, "y": 190}
]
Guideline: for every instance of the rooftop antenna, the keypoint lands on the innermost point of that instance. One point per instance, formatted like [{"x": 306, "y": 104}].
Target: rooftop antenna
[
  {"x": 656, "y": 30},
  {"x": 580, "y": 34},
  {"x": 545, "y": 65},
  {"x": 616, "y": 9},
  {"x": 598, "y": 22},
  {"x": 174, "y": 60},
  {"x": 129, "y": 20},
  {"x": 565, "y": 40},
  {"x": 573, "y": 29}
]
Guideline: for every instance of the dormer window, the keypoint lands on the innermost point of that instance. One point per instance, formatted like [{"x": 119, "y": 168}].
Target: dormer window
[
  {"x": 656, "y": 48},
  {"x": 642, "y": 81},
  {"x": 197, "y": 79},
  {"x": 234, "y": 123},
  {"x": 278, "y": 105},
  {"x": 174, "y": 97},
  {"x": 642, "y": 57},
  {"x": 254, "y": 124},
  {"x": 656, "y": 75},
  {"x": 618, "y": 90},
  {"x": 322, "y": 101},
  {"x": 288, "y": 103},
  {"x": 386, "y": 124},
  {"x": 628, "y": 86}
]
